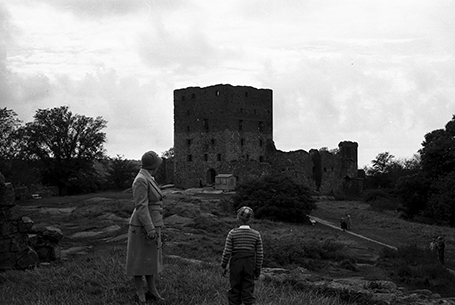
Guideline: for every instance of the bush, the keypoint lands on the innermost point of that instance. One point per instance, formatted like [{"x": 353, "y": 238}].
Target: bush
[
  {"x": 413, "y": 192},
  {"x": 277, "y": 198},
  {"x": 418, "y": 268},
  {"x": 291, "y": 250},
  {"x": 375, "y": 194}
]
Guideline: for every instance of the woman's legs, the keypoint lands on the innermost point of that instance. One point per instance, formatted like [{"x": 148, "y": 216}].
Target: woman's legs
[
  {"x": 139, "y": 287},
  {"x": 152, "y": 287}
]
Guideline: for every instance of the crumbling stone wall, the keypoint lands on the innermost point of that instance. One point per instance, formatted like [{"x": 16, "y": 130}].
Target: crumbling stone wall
[
  {"x": 226, "y": 129},
  {"x": 216, "y": 125},
  {"x": 320, "y": 170},
  {"x": 22, "y": 244}
]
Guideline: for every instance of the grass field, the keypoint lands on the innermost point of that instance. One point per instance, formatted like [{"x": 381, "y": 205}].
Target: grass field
[{"x": 98, "y": 277}]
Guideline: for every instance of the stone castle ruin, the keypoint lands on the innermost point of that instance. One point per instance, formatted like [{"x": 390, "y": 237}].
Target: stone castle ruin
[
  {"x": 225, "y": 129},
  {"x": 23, "y": 244}
]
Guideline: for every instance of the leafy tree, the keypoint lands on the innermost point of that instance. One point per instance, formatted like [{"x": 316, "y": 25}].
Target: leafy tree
[
  {"x": 413, "y": 191},
  {"x": 430, "y": 193},
  {"x": 440, "y": 205},
  {"x": 438, "y": 151},
  {"x": 276, "y": 198},
  {"x": 9, "y": 123},
  {"x": 386, "y": 170},
  {"x": 382, "y": 163},
  {"x": 66, "y": 145},
  {"x": 121, "y": 172}
]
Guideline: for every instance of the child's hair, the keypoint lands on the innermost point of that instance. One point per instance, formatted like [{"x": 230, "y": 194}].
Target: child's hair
[{"x": 245, "y": 214}]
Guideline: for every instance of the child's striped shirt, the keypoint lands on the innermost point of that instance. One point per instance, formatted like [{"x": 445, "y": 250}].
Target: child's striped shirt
[{"x": 244, "y": 240}]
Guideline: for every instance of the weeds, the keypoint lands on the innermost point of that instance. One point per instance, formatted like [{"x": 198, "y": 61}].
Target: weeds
[
  {"x": 99, "y": 279},
  {"x": 293, "y": 250},
  {"x": 418, "y": 268}
]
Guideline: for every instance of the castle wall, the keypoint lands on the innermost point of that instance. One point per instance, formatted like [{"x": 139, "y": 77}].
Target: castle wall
[
  {"x": 216, "y": 125},
  {"x": 226, "y": 129}
]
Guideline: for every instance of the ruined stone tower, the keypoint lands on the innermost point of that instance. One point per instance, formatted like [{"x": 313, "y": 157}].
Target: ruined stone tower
[
  {"x": 218, "y": 125},
  {"x": 226, "y": 129}
]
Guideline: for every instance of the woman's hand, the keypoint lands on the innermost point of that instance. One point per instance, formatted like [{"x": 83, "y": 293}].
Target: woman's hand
[{"x": 152, "y": 234}]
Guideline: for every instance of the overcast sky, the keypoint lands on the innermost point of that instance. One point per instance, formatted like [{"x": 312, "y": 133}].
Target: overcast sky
[{"x": 377, "y": 72}]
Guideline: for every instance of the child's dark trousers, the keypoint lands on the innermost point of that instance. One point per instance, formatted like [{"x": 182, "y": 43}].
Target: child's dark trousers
[{"x": 241, "y": 278}]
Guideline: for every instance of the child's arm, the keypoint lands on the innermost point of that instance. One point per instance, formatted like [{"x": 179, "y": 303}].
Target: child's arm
[
  {"x": 227, "y": 250},
  {"x": 259, "y": 257}
]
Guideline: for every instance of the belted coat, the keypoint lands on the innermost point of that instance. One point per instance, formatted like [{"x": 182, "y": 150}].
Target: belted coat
[{"x": 144, "y": 255}]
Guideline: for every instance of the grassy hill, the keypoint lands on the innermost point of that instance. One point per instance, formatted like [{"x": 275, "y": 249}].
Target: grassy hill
[{"x": 96, "y": 276}]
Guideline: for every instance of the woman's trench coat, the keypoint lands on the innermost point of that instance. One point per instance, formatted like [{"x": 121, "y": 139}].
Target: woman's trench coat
[{"x": 144, "y": 255}]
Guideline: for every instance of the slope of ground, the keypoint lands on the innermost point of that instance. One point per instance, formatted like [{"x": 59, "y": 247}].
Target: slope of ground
[{"x": 96, "y": 212}]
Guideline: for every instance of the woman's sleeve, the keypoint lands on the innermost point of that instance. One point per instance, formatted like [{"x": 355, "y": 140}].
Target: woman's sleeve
[{"x": 140, "y": 195}]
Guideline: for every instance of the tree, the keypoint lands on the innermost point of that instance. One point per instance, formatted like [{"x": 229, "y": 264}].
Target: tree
[
  {"x": 66, "y": 146},
  {"x": 10, "y": 147},
  {"x": 386, "y": 170},
  {"x": 382, "y": 164},
  {"x": 438, "y": 151},
  {"x": 276, "y": 197},
  {"x": 430, "y": 193},
  {"x": 413, "y": 191},
  {"x": 121, "y": 172},
  {"x": 9, "y": 123}
]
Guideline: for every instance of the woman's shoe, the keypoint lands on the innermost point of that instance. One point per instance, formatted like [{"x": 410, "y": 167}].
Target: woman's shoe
[
  {"x": 138, "y": 301},
  {"x": 149, "y": 296}
]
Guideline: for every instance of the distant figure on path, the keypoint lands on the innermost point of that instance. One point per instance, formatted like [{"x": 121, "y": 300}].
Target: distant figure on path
[
  {"x": 244, "y": 253},
  {"x": 434, "y": 247},
  {"x": 441, "y": 247},
  {"x": 144, "y": 255},
  {"x": 343, "y": 224},
  {"x": 348, "y": 221}
]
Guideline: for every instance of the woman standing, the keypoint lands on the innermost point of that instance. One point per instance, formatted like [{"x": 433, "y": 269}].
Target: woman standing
[{"x": 144, "y": 255}]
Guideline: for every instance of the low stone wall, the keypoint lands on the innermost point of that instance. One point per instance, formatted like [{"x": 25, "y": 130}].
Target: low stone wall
[{"x": 22, "y": 244}]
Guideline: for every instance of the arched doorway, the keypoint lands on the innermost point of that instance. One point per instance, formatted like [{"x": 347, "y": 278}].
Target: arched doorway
[{"x": 211, "y": 174}]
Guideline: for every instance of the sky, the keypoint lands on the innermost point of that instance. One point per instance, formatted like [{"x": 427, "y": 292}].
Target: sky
[{"x": 377, "y": 72}]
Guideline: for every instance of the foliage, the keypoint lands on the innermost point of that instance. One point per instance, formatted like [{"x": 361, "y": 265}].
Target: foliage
[
  {"x": 9, "y": 142},
  {"x": 66, "y": 145},
  {"x": 275, "y": 197},
  {"x": 417, "y": 267},
  {"x": 386, "y": 170},
  {"x": 413, "y": 193},
  {"x": 99, "y": 278},
  {"x": 430, "y": 192},
  {"x": 440, "y": 205},
  {"x": 121, "y": 172},
  {"x": 291, "y": 251},
  {"x": 375, "y": 194},
  {"x": 438, "y": 151},
  {"x": 9, "y": 123},
  {"x": 381, "y": 200}
]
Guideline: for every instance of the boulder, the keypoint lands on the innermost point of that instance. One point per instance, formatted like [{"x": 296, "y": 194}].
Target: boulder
[
  {"x": 7, "y": 194},
  {"x": 184, "y": 209},
  {"x": 51, "y": 234},
  {"x": 27, "y": 259},
  {"x": 177, "y": 220},
  {"x": 22, "y": 193}
]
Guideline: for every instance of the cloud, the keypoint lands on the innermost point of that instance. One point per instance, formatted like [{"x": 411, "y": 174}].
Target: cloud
[{"x": 376, "y": 72}]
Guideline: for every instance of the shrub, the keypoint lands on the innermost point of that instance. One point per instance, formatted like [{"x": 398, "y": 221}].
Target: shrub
[
  {"x": 227, "y": 206},
  {"x": 418, "y": 268},
  {"x": 413, "y": 192},
  {"x": 292, "y": 250},
  {"x": 276, "y": 198},
  {"x": 375, "y": 194}
]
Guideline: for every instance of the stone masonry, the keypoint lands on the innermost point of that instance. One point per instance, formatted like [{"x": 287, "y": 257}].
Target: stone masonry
[
  {"x": 22, "y": 244},
  {"x": 224, "y": 129}
]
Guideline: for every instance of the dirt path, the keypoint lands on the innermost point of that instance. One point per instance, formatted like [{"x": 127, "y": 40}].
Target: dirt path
[{"x": 330, "y": 224}]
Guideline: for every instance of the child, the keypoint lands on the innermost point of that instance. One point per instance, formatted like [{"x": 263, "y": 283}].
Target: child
[{"x": 244, "y": 249}]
